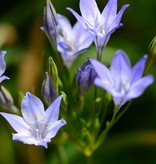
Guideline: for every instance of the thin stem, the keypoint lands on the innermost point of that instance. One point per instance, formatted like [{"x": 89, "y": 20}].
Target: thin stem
[
  {"x": 62, "y": 154},
  {"x": 109, "y": 124},
  {"x": 92, "y": 112}
]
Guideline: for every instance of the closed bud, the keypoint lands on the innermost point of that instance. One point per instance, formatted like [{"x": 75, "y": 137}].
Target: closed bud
[
  {"x": 6, "y": 99},
  {"x": 47, "y": 90},
  {"x": 50, "y": 22},
  {"x": 85, "y": 77},
  {"x": 152, "y": 48},
  {"x": 151, "y": 55}
]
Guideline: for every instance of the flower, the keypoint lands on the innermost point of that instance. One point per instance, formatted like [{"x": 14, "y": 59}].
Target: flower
[
  {"x": 100, "y": 25},
  {"x": 121, "y": 81},
  {"x": 2, "y": 66},
  {"x": 85, "y": 77},
  {"x": 36, "y": 126},
  {"x": 69, "y": 41}
]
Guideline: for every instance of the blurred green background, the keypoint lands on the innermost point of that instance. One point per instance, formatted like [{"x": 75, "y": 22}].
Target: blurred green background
[{"x": 133, "y": 138}]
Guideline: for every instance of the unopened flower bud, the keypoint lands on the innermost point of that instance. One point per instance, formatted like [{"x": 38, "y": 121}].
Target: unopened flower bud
[
  {"x": 50, "y": 22},
  {"x": 6, "y": 99},
  {"x": 151, "y": 55},
  {"x": 47, "y": 90},
  {"x": 85, "y": 77},
  {"x": 152, "y": 48}
]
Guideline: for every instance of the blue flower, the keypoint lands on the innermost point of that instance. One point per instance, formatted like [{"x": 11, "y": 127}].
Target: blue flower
[
  {"x": 2, "y": 66},
  {"x": 121, "y": 81},
  {"x": 100, "y": 25},
  {"x": 36, "y": 126},
  {"x": 71, "y": 41}
]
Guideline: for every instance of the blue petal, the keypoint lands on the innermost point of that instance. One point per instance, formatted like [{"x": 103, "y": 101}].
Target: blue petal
[
  {"x": 109, "y": 12},
  {"x": 64, "y": 25},
  {"x": 32, "y": 108},
  {"x": 55, "y": 127},
  {"x": 139, "y": 87},
  {"x": 3, "y": 63},
  {"x": 117, "y": 20},
  {"x": 102, "y": 71},
  {"x": 17, "y": 123},
  {"x": 120, "y": 66},
  {"x": 81, "y": 38},
  {"x": 3, "y": 78},
  {"x": 78, "y": 17},
  {"x": 27, "y": 139},
  {"x": 89, "y": 11},
  {"x": 138, "y": 69},
  {"x": 52, "y": 113}
]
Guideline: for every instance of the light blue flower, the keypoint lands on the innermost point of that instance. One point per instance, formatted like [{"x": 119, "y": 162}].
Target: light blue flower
[
  {"x": 36, "y": 126},
  {"x": 2, "y": 66},
  {"x": 71, "y": 41},
  {"x": 121, "y": 81},
  {"x": 100, "y": 25}
]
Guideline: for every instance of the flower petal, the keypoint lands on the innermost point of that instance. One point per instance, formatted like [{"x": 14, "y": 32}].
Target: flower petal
[
  {"x": 17, "y": 122},
  {"x": 32, "y": 108},
  {"x": 109, "y": 12},
  {"x": 120, "y": 66},
  {"x": 89, "y": 11},
  {"x": 4, "y": 78},
  {"x": 2, "y": 61},
  {"x": 64, "y": 26},
  {"x": 26, "y": 139},
  {"x": 81, "y": 38},
  {"x": 139, "y": 87},
  {"x": 116, "y": 22},
  {"x": 52, "y": 113},
  {"x": 78, "y": 17},
  {"x": 55, "y": 127},
  {"x": 102, "y": 71},
  {"x": 138, "y": 69}
]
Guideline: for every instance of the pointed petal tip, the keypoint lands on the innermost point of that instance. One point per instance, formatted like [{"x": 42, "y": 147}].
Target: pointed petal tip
[
  {"x": 3, "y": 52},
  {"x": 63, "y": 122}
]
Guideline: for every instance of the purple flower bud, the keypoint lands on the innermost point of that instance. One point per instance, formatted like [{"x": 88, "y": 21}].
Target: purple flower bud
[
  {"x": 85, "y": 77},
  {"x": 50, "y": 22},
  {"x": 48, "y": 91}
]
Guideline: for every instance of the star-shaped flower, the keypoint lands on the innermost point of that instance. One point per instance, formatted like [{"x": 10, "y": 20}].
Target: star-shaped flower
[
  {"x": 100, "y": 25},
  {"x": 36, "y": 126},
  {"x": 121, "y": 81},
  {"x": 71, "y": 41},
  {"x": 2, "y": 66}
]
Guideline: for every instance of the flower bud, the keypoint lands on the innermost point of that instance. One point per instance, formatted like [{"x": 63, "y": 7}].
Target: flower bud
[
  {"x": 47, "y": 90},
  {"x": 151, "y": 55},
  {"x": 6, "y": 99},
  {"x": 85, "y": 77},
  {"x": 152, "y": 49},
  {"x": 50, "y": 22}
]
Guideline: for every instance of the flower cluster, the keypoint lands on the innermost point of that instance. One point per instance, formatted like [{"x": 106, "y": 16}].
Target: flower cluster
[{"x": 83, "y": 102}]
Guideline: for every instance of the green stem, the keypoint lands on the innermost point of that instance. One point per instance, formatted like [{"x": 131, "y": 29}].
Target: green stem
[
  {"x": 109, "y": 124},
  {"x": 62, "y": 154}
]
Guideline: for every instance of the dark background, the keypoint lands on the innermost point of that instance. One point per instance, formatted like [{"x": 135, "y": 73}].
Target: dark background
[{"x": 133, "y": 138}]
